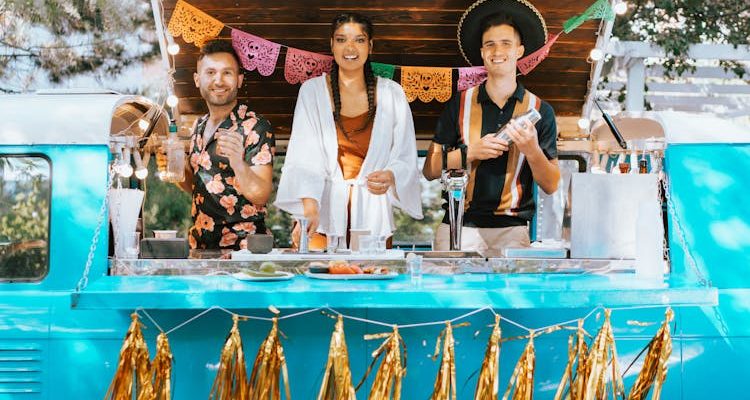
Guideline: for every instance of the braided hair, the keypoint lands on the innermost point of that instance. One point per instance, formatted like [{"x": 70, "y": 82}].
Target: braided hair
[{"x": 370, "y": 79}]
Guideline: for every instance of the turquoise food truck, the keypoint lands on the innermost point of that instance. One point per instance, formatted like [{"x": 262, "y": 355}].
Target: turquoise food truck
[{"x": 65, "y": 304}]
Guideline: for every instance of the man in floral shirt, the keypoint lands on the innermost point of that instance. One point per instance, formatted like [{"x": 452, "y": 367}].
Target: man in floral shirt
[{"x": 231, "y": 153}]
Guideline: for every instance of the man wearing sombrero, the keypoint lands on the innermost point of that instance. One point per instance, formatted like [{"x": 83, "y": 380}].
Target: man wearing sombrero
[{"x": 499, "y": 196}]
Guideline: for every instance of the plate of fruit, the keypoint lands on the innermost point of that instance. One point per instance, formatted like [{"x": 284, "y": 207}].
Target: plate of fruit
[
  {"x": 343, "y": 270},
  {"x": 268, "y": 271}
]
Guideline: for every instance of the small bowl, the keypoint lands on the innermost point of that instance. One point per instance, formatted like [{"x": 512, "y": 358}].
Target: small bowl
[
  {"x": 165, "y": 234},
  {"x": 260, "y": 243}
]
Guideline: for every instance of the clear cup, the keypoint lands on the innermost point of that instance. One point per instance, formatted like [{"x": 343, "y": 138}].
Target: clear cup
[
  {"x": 414, "y": 265},
  {"x": 381, "y": 245},
  {"x": 368, "y": 244},
  {"x": 333, "y": 243},
  {"x": 129, "y": 245},
  {"x": 175, "y": 160},
  {"x": 355, "y": 234}
]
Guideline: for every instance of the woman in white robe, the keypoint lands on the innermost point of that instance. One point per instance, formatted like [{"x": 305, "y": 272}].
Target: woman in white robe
[{"x": 312, "y": 182}]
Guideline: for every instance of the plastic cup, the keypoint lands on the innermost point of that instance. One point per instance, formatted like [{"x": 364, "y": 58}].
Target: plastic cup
[
  {"x": 381, "y": 245},
  {"x": 368, "y": 244},
  {"x": 333, "y": 243},
  {"x": 130, "y": 245},
  {"x": 355, "y": 234},
  {"x": 414, "y": 265}
]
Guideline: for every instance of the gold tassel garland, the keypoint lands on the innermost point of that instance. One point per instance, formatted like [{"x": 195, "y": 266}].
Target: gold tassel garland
[
  {"x": 133, "y": 368},
  {"x": 161, "y": 369},
  {"x": 337, "y": 380},
  {"x": 231, "y": 378},
  {"x": 523, "y": 375},
  {"x": 489, "y": 375},
  {"x": 576, "y": 356},
  {"x": 387, "y": 382},
  {"x": 654, "y": 370},
  {"x": 269, "y": 367},
  {"x": 591, "y": 373},
  {"x": 602, "y": 353},
  {"x": 445, "y": 383}
]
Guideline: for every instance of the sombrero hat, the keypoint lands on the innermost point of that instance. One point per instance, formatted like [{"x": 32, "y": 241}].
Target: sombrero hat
[{"x": 524, "y": 15}]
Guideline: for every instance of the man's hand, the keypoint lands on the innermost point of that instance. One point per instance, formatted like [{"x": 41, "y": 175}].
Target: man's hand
[
  {"x": 379, "y": 182},
  {"x": 229, "y": 145},
  {"x": 485, "y": 148},
  {"x": 524, "y": 136}
]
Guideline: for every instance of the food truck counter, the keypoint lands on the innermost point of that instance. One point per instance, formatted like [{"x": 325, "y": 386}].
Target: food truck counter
[{"x": 442, "y": 284}]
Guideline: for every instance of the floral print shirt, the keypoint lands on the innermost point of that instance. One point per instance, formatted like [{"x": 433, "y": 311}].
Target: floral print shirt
[{"x": 222, "y": 216}]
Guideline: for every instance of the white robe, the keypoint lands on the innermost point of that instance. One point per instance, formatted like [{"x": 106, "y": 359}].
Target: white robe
[{"x": 311, "y": 168}]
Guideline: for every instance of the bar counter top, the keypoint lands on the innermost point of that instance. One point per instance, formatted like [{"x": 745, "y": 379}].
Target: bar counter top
[{"x": 472, "y": 288}]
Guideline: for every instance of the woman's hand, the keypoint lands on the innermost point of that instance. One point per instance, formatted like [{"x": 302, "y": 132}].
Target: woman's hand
[
  {"x": 312, "y": 214},
  {"x": 379, "y": 182}
]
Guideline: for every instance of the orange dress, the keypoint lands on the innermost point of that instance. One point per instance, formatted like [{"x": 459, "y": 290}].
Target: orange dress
[{"x": 352, "y": 152}]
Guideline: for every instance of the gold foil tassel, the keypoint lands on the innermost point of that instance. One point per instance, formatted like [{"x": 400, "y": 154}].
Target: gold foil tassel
[
  {"x": 269, "y": 368},
  {"x": 231, "y": 378},
  {"x": 337, "y": 380},
  {"x": 577, "y": 350},
  {"x": 387, "y": 382},
  {"x": 654, "y": 370},
  {"x": 488, "y": 382},
  {"x": 602, "y": 353},
  {"x": 523, "y": 375},
  {"x": 445, "y": 383},
  {"x": 161, "y": 369},
  {"x": 132, "y": 376}
]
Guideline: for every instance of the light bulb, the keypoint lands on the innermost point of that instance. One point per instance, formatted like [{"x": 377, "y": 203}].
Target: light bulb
[
  {"x": 141, "y": 172},
  {"x": 172, "y": 100},
  {"x": 123, "y": 164},
  {"x": 596, "y": 54},
  {"x": 126, "y": 170},
  {"x": 143, "y": 124},
  {"x": 621, "y": 8},
  {"x": 584, "y": 123},
  {"x": 173, "y": 49}
]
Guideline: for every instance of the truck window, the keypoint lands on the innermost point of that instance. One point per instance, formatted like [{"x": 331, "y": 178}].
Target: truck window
[{"x": 25, "y": 188}]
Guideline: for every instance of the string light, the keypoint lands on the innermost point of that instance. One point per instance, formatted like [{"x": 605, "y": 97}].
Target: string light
[
  {"x": 173, "y": 49},
  {"x": 620, "y": 8},
  {"x": 141, "y": 172},
  {"x": 172, "y": 101},
  {"x": 584, "y": 123},
  {"x": 596, "y": 54},
  {"x": 143, "y": 124},
  {"x": 124, "y": 168}
]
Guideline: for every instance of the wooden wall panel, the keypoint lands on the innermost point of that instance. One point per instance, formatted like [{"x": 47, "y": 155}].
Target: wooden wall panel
[{"x": 407, "y": 32}]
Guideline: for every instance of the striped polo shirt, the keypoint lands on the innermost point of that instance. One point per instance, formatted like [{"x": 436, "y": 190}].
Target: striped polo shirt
[{"x": 500, "y": 190}]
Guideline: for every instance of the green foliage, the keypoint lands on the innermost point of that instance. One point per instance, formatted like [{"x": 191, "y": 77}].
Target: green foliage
[
  {"x": 674, "y": 25},
  {"x": 24, "y": 218},
  {"x": 279, "y": 222},
  {"x": 409, "y": 230},
  {"x": 166, "y": 206},
  {"x": 65, "y": 38}
]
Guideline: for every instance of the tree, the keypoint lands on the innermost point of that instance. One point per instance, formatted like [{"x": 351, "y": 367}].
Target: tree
[
  {"x": 53, "y": 40},
  {"x": 676, "y": 24},
  {"x": 24, "y": 217}
]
